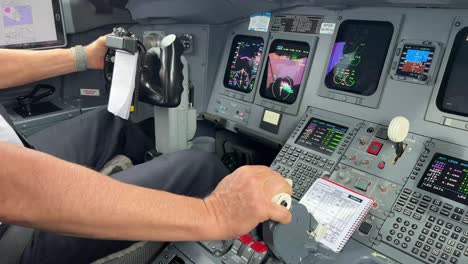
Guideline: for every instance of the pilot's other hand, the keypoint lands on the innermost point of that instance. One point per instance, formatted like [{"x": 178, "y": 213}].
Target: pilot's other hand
[
  {"x": 95, "y": 53},
  {"x": 243, "y": 199}
]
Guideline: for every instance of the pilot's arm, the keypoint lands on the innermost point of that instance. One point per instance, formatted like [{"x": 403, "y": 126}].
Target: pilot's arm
[
  {"x": 41, "y": 191},
  {"x": 26, "y": 66},
  {"x": 44, "y": 192}
]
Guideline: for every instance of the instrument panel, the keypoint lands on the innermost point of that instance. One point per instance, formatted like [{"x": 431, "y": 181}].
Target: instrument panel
[{"x": 317, "y": 93}]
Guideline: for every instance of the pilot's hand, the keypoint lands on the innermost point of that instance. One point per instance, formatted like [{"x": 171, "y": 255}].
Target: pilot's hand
[
  {"x": 243, "y": 199},
  {"x": 95, "y": 53}
]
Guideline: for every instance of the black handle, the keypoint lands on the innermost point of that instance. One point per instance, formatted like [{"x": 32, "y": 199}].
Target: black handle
[
  {"x": 32, "y": 97},
  {"x": 162, "y": 76}
]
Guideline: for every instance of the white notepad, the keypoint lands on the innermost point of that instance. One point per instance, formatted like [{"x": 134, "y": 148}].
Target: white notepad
[{"x": 339, "y": 209}]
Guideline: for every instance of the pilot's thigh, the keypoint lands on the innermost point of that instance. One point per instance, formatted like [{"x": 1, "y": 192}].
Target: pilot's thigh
[
  {"x": 90, "y": 139},
  {"x": 188, "y": 172}
]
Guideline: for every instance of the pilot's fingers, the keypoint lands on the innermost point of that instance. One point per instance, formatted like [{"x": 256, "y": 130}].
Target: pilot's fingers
[{"x": 279, "y": 214}]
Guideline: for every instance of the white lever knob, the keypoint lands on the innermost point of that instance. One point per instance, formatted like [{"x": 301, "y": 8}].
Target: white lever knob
[{"x": 398, "y": 129}]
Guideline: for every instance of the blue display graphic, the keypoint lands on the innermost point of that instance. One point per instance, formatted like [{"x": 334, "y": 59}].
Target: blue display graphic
[{"x": 417, "y": 55}]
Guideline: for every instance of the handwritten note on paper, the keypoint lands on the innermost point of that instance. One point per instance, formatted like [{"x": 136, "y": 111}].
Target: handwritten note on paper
[{"x": 123, "y": 84}]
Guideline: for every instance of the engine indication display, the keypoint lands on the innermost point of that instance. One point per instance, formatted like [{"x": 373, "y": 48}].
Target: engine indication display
[
  {"x": 358, "y": 56},
  {"x": 415, "y": 61},
  {"x": 322, "y": 136},
  {"x": 453, "y": 94},
  {"x": 284, "y": 72},
  {"x": 244, "y": 60},
  {"x": 448, "y": 177}
]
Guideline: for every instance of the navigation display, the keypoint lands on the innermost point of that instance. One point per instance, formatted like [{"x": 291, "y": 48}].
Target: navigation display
[
  {"x": 322, "y": 136},
  {"x": 448, "y": 177},
  {"x": 358, "y": 56},
  {"x": 284, "y": 72},
  {"x": 415, "y": 60},
  {"x": 31, "y": 24},
  {"x": 244, "y": 60},
  {"x": 453, "y": 93}
]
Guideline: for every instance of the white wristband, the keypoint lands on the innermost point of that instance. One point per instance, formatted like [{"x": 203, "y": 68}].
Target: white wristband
[{"x": 79, "y": 58}]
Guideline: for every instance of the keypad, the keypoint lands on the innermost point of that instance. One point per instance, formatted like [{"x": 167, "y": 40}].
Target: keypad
[
  {"x": 439, "y": 241},
  {"x": 415, "y": 205},
  {"x": 302, "y": 166}
]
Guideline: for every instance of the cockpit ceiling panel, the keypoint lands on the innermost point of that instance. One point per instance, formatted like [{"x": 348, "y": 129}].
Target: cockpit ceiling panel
[{"x": 222, "y": 11}]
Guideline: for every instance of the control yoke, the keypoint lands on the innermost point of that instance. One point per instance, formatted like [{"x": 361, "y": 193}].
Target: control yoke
[{"x": 159, "y": 71}]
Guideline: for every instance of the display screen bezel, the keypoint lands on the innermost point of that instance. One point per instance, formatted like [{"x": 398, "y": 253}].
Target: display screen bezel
[
  {"x": 232, "y": 51},
  {"x": 361, "y": 91},
  {"x": 433, "y": 191},
  {"x": 408, "y": 47},
  {"x": 61, "y": 40},
  {"x": 273, "y": 47},
  {"x": 318, "y": 149},
  {"x": 447, "y": 74}
]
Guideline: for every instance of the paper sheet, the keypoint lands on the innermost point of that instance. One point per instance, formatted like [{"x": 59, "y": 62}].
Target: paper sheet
[
  {"x": 260, "y": 22},
  {"x": 338, "y": 209},
  {"x": 123, "y": 84}
]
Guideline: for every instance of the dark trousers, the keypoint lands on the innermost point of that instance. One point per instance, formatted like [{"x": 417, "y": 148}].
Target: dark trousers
[{"x": 91, "y": 140}]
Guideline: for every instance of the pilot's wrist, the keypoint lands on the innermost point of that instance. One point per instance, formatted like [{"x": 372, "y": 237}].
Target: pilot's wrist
[
  {"x": 79, "y": 58},
  {"x": 215, "y": 226}
]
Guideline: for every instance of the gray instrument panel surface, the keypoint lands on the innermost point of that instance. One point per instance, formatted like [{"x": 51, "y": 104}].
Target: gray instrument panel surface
[{"x": 398, "y": 98}]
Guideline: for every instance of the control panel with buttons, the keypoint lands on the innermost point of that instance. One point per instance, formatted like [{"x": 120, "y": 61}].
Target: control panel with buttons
[
  {"x": 382, "y": 190},
  {"x": 314, "y": 148},
  {"x": 232, "y": 110},
  {"x": 429, "y": 219},
  {"x": 371, "y": 151}
]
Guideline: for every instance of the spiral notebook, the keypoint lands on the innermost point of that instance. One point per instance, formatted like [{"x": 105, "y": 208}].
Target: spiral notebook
[{"x": 338, "y": 209}]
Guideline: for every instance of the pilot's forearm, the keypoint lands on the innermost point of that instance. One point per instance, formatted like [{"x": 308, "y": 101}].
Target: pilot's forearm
[
  {"x": 41, "y": 191},
  {"x": 26, "y": 66}
]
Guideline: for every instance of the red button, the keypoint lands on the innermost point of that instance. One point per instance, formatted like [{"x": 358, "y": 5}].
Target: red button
[
  {"x": 374, "y": 148},
  {"x": 259, "y": 247},
  {"x": 245, "y": 239},
  {"x": 381, "y": 165}
]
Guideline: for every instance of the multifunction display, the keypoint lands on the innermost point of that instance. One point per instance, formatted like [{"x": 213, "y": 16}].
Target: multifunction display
[
  {"x": 448, "y": 177},
  {"x": 415, "y": 61},
  {"x": 322, "y": 136},
  {"x": 358, "y": 56},
  {"x": 243, "y": 63},
  {"x": 453, "y": 95},
  {"x": 282, "y": 79}
]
